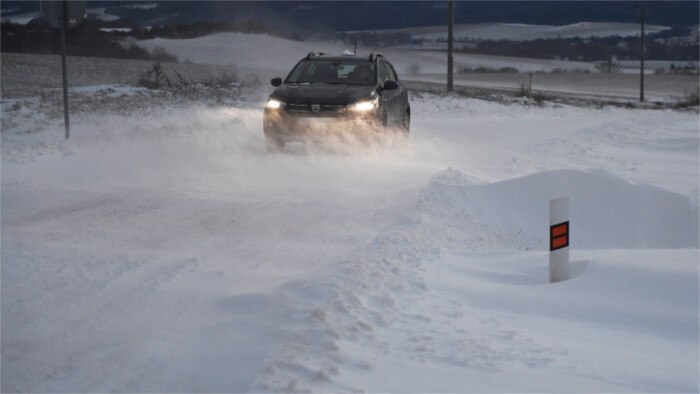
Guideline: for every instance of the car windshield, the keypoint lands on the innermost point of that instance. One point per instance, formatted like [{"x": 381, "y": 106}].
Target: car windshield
[{"x": 334, "y": 72}]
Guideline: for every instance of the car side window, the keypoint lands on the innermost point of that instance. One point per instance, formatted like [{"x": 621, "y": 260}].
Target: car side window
[
  {"x": 383, "y": 76},
  {"x": 392, "y": 72},
  {"x": 388, "y": 71}
]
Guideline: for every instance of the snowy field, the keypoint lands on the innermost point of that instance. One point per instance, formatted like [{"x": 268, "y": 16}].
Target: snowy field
[
  {"x": 274, "y": 53},
  {"x": 277, "y": 56},
  {"x": 621, "y": 87},
  {"x": 525, "y": 32},
  {"x": 162, "y": 249},
  {"x": 30, "y": 75}
]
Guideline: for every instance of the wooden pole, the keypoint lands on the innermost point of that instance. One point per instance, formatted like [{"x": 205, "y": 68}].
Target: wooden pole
[
  {"x": 529, "y": 96},
  {"x": 642, "y": 8},
  {"x": 641, "y": 64},
  {"x": 450, "y": 22},
  {"x": 63, "y": 28}
]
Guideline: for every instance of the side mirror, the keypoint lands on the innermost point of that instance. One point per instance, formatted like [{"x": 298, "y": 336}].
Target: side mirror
[
  {"x": 390, "y": 85},
  {"x": 276, "y": 81}
]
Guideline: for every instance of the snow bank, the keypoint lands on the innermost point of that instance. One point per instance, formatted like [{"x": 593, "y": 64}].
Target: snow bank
[
  {"x": 606, "y": 211},
  {"x": 650, "y": 291},
  {"x": 415, "y": 312},
  {"x": 627, "y": 320}
]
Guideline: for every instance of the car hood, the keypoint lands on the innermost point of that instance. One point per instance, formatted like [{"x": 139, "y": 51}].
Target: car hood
[{"x": 322, "y": 94}]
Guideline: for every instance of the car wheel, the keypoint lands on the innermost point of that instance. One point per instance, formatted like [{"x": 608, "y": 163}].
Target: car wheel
[
  {"x": 403, "y": 130},
  {"x": 406, "y": 123},
  {"x": 273, "y": 144}
]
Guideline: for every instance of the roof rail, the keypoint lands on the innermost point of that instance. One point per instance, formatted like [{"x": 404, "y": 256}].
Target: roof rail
[
  {"x": 313, "y": 54},
  {"x": 374, "y": 55}
]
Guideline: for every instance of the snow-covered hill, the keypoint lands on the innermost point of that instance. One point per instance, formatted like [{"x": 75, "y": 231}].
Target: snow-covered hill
[
  {"x": 274, "y": 53},
  {"x": 276, "y": 56}
]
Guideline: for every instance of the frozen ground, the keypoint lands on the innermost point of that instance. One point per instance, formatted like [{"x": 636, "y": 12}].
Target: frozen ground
[{"x": 162, "y": 249}]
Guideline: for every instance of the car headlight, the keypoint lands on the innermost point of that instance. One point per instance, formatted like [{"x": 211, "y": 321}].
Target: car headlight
[
  {"x": 364, "y": 106},
  {"x": 272, "y": 103}
]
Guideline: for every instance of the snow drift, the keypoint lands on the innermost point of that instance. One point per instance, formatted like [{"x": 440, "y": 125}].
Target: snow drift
[
  {"x": 450, "y": 298},
  {"x": 606, "y": 211}
]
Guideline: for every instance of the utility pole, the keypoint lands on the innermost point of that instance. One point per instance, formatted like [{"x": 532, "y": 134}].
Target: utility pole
[
  {"x": 63, "y": 15},
  {"x": 641, "y": 63},
  {"x": 63, "y": 28},
  {"x": 450, "y": 39},
  {"x": 529, "y": 94},
  {"x": 641, "y": 9}
]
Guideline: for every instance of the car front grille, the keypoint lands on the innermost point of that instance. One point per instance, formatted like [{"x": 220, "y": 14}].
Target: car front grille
[{"x": 306, "y": 108}]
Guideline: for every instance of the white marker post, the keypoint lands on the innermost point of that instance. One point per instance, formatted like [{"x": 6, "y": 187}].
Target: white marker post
[{"x": 559, "y": 239}]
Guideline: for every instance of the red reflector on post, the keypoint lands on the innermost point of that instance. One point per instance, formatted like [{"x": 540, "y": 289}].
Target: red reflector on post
[
  {"x": 560, "y": 230},
  {"x": 559, "y": 236},
  {"x": 560, "y": 242}
]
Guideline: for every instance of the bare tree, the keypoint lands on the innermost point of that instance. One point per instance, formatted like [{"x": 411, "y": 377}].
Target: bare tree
[{"x": 609, "y": 66}]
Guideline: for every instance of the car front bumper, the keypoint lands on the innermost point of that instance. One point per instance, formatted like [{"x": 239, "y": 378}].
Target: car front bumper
[{"x": 295, "y": 126}]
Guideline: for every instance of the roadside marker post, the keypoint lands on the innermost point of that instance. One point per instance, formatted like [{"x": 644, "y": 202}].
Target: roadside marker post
[{"x": 559, "y": 239}]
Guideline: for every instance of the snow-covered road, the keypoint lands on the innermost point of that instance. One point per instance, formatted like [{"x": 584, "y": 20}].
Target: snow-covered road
[
  {"x": 145, "y": 252},
  {"x": 170, "y": 252}
]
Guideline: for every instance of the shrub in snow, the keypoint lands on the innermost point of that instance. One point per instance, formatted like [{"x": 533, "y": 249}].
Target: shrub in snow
[
  {"x": 609, "y": 66},
  {"x": 508, "y": 70},
  {"x": 561, "y": 70},
  {"x": 489, "y": 70},
  {"x": 154, "y": 77},
  {"x": 688, "y": 69},
  {"x": 691, "y": 99}
]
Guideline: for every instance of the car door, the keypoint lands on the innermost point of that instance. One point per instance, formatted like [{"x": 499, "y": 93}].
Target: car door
[
  {"x": 402, "y": 99},
  {"x": 391, "y": 97}
]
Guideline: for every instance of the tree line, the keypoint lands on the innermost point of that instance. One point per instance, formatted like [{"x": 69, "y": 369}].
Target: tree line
[
  {"x": 664, "y": 45},
  {"x": 87, "y": 39},
  {"x": 117, "y": 39}
]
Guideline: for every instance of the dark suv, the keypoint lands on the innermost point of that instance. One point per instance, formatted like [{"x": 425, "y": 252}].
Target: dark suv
[{"x": 326, "y": 94}]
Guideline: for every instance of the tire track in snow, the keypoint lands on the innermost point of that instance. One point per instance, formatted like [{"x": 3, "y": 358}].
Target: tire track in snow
[{"x": 377, "y": 307}]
